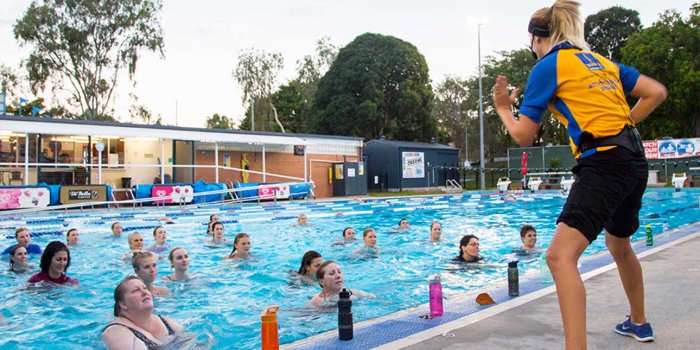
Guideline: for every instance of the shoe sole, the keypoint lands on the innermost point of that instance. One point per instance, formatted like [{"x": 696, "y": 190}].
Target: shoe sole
[{"x": 632, "y": 335}]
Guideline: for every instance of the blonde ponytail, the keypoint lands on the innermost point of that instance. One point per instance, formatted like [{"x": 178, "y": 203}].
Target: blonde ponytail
[{"x": 563, "y": 20}]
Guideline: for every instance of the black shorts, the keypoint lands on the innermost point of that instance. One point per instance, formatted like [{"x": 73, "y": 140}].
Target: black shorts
[{"x": 607, "y": 194}]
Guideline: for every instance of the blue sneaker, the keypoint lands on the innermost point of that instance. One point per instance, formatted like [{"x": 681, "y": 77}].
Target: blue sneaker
[{"x": 640, "y": 332}]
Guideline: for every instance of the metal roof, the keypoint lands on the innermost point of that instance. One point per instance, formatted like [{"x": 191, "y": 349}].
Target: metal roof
[
  {"x": 38, "y": 125},
  {"x": 407, "y": 144}
]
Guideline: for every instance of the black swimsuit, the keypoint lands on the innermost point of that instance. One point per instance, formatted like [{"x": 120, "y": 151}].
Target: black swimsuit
[{"x": 150, "y": 344}]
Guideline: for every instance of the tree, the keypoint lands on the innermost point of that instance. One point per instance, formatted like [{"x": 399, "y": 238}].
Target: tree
[
  {"x": 608, "y": 30},
  {"x": 669, "y": 51},
  {"x": 87, "y": 44},
  {"x": 451, "y": 109},
  {"x": 294, "y": 100},
  {"x": 257, "y": 73},
  {"x": 217, "y": 121},
  {"x": 378, "y": 85}
]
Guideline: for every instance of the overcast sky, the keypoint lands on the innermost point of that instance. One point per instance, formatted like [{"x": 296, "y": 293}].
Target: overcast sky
[{"x": 203, "y": 39}]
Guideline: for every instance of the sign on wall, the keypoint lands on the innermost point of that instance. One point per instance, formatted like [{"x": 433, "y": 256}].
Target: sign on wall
[
  {"x": 299, "y": 150},
  {"x": 24, "y": 197},
  {"x": 413, "y": 165},
  {"x": 80, "y": 194},
  {"x": 674, "y": 148},
  {"x": 173, "y": 194}
]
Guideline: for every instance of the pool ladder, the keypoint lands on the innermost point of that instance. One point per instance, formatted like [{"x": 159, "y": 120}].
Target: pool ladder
[{"x": 452, "y": 185}]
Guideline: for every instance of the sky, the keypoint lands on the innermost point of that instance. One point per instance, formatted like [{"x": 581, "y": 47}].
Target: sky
[{"x": 203, "y": 39}]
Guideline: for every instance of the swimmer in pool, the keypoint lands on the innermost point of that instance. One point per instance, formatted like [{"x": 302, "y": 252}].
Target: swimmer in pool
[
  {"x": 212, "y": 219},
  {"x": 348, "y": 237},
  {"x": 72, "y": 236},
  {"x": 217, "y": 237},
  {"x": 469, "y": 250},
  {"x": 241, "y": 247},
  {"x": 302, "y": 220},
  {"x": 435, "y": 231},
  {"x": 54, "y": 264},
  {"x": 309, "y": 265},
  {"x": 117, "y": 229},
  {"x": 146, "y": 268},
  {"x": 180, "y": 262},
  {"x": 369, "y": 249},
  {"x": 135, "y": 326},
  {"x": 19, "y": 260},
  {"x": 160, "y": 235},
  {"x": 330, "y": 278},
  {"x": 135, "y": 245}
]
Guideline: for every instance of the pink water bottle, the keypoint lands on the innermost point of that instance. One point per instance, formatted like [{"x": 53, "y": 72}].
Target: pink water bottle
[{"x": 435, "y": 295}]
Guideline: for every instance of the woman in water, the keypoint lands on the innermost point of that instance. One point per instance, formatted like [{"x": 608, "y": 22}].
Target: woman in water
[
  {"x": 135, "y": 245},
  {"x": 302, "y": 220},
  {"x": 435, "y": 231},
  {"x": 54, "y": 264},
  {"x": 369, "y": 249},
  {"x": 117, "y": 229},
  {"x": 135, "y": 326},
  {"x": 309, "y": 265},
  {"x": 330, "y": 278},
  {"x": 72, "y": 236},
  {"x": 348, "y": 236},
  {"x": 145, "y": 267},
  {"x": 469, "y": 250},
  {"x": 528, "y": 235},
  {"x": 19, "y": 260},
  {"x": 217, "y": 237},
  {"x": 241, "y": 247},
  {"x": 212, "y": 219},
  {"x": 180, "y": 262},
  {"x": 159, "y": 247}
]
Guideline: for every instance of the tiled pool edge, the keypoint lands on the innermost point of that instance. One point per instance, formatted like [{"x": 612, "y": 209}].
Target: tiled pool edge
[{"x": 404, "y": 328}]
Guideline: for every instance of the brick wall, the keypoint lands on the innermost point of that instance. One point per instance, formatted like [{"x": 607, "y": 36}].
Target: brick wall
[{"x": 276, "y": 163}]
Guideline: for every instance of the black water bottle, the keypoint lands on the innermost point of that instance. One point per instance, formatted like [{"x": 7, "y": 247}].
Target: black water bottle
[
  {"x": 344, "y": 315},
  {"x": 513, "y": 279}
]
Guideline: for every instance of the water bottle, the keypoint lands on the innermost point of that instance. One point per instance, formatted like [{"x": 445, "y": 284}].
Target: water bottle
[
  {"x": 344, "y": 315},
  {"x": 667, "y": 229},
  {"x": 435, "y": 287},
  {"x": 650, "y": 237},
  {"x": 513, "y": 280},
  {"x": 269, "y": 335},
  {"x": 545, "y": 274}
]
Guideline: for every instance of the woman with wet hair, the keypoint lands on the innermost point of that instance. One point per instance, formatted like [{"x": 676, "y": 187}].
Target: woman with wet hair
[
  {"x": 19, "y": 260},
  {"x": 469, "y": 250},
  {"x": 330, "y": 279},
  {"x": 72, "y": 236},
  {"x": 241, "y": 247},
  {"x": 180, "y": 262},
  {"x": 135, "y": 326},
  {"x": 309, "y": 265},
  {"x": 146, "y": 268},
  {"x": 54, "y": 264}
]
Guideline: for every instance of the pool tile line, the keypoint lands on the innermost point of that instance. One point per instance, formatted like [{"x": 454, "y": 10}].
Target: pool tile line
[{"x": 405, "y": 327}]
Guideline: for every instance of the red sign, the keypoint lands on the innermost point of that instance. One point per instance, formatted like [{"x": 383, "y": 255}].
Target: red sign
[{"x": 24, "y": 197}]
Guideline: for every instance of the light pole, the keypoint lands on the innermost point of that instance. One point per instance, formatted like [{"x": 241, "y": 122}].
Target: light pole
[{"x": 482, "y": 174}]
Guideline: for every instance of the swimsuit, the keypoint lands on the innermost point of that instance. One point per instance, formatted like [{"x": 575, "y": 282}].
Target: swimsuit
[{"x": 150, "y": 344}]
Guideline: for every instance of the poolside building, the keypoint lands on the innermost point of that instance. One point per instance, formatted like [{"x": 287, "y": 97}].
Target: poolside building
[{"x": 82, "y": 152}]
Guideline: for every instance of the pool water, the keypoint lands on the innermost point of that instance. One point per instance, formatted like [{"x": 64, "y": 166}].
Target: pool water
[{"x": 221, "y": 307}]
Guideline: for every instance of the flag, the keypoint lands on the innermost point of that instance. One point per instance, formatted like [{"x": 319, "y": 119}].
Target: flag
[
  {"x": 22, "y": 100},
  {"x": 35, "y": 110}
]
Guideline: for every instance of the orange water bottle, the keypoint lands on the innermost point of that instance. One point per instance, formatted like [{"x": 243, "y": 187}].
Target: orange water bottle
[{"x": 270, "y": 338}]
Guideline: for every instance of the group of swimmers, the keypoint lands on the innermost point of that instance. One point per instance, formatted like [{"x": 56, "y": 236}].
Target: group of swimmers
[{"x": 133, "y": 296}]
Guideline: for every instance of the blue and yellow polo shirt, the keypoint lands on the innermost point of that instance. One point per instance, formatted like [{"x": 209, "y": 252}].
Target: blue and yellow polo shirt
[{"x": 584, "y": 90}]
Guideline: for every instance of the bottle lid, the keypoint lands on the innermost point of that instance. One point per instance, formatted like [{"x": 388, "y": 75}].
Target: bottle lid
[
  {"x": 270, "y": 314},
  {"x": 513, "y": 264},
  {"x": 434, "y": 278},
  {"x": 344, "y": 294}
]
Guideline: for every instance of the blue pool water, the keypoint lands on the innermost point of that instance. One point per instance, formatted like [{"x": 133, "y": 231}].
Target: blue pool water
[{"x": 221, "y": 307}]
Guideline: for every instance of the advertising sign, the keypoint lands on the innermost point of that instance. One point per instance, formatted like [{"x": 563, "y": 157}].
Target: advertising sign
[
  {"x": 273, "y": 191},
  {"x": 173, "y": 194},
  {"x": 299, "y": 150},
  {"x": 24, "y": 197},
  {"x": 413, "y": 165},
  {"x": 80, "y": 194},
  {"x": 672, "y": 148}
]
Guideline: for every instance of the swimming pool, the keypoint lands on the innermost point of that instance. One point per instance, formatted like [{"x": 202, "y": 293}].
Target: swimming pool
[{"x": 222, "y": 306}]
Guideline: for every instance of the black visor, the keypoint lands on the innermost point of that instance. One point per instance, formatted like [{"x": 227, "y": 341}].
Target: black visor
[{"x": 538, "y": 29}]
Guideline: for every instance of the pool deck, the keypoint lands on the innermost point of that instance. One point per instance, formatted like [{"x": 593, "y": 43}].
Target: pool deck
[{"x": 672, "y": 281}]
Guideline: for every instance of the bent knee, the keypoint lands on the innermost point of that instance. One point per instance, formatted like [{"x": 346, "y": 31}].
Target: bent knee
[{"x": 556, "y": 259}]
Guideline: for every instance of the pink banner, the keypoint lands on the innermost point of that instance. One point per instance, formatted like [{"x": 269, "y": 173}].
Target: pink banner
[
  {"x": 24, "y": 197},
  {"x": 272, "y": 191},
  {"x": 651, "y": 149},
  {"x": 175, "y": 194}
]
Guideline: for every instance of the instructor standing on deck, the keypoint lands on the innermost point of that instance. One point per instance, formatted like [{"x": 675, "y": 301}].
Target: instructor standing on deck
[{"x": 586, "y": 92}]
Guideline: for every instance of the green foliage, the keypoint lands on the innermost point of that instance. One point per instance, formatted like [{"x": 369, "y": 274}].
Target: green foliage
[
  {"x": 86, "y": 44},
  {"x": 378, "y": 85},
  {"x": 217, "y": 121},
  {"x": 451, "y": 110},
  {"x": 257, "y": 72},
  {"x": 668, "y": 51},
  {"x": 608, "y": 30}
]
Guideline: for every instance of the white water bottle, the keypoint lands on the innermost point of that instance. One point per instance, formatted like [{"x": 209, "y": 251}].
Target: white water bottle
[{"x": 667, "y": 233}]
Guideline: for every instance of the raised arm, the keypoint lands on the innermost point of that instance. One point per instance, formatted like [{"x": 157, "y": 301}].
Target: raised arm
[{"x": 522, "y": 130}]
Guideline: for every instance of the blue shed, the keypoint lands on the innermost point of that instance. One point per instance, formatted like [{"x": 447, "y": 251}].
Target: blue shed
[{"x": 397, "y": 165}]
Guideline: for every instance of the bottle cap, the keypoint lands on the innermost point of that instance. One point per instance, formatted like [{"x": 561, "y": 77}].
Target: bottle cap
[
  {"x": 270, "y": 314},
  {"x": 344, "y": 294},
  {"x": 434, "y": 278},
  {"x": 513, "y": 264}
]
